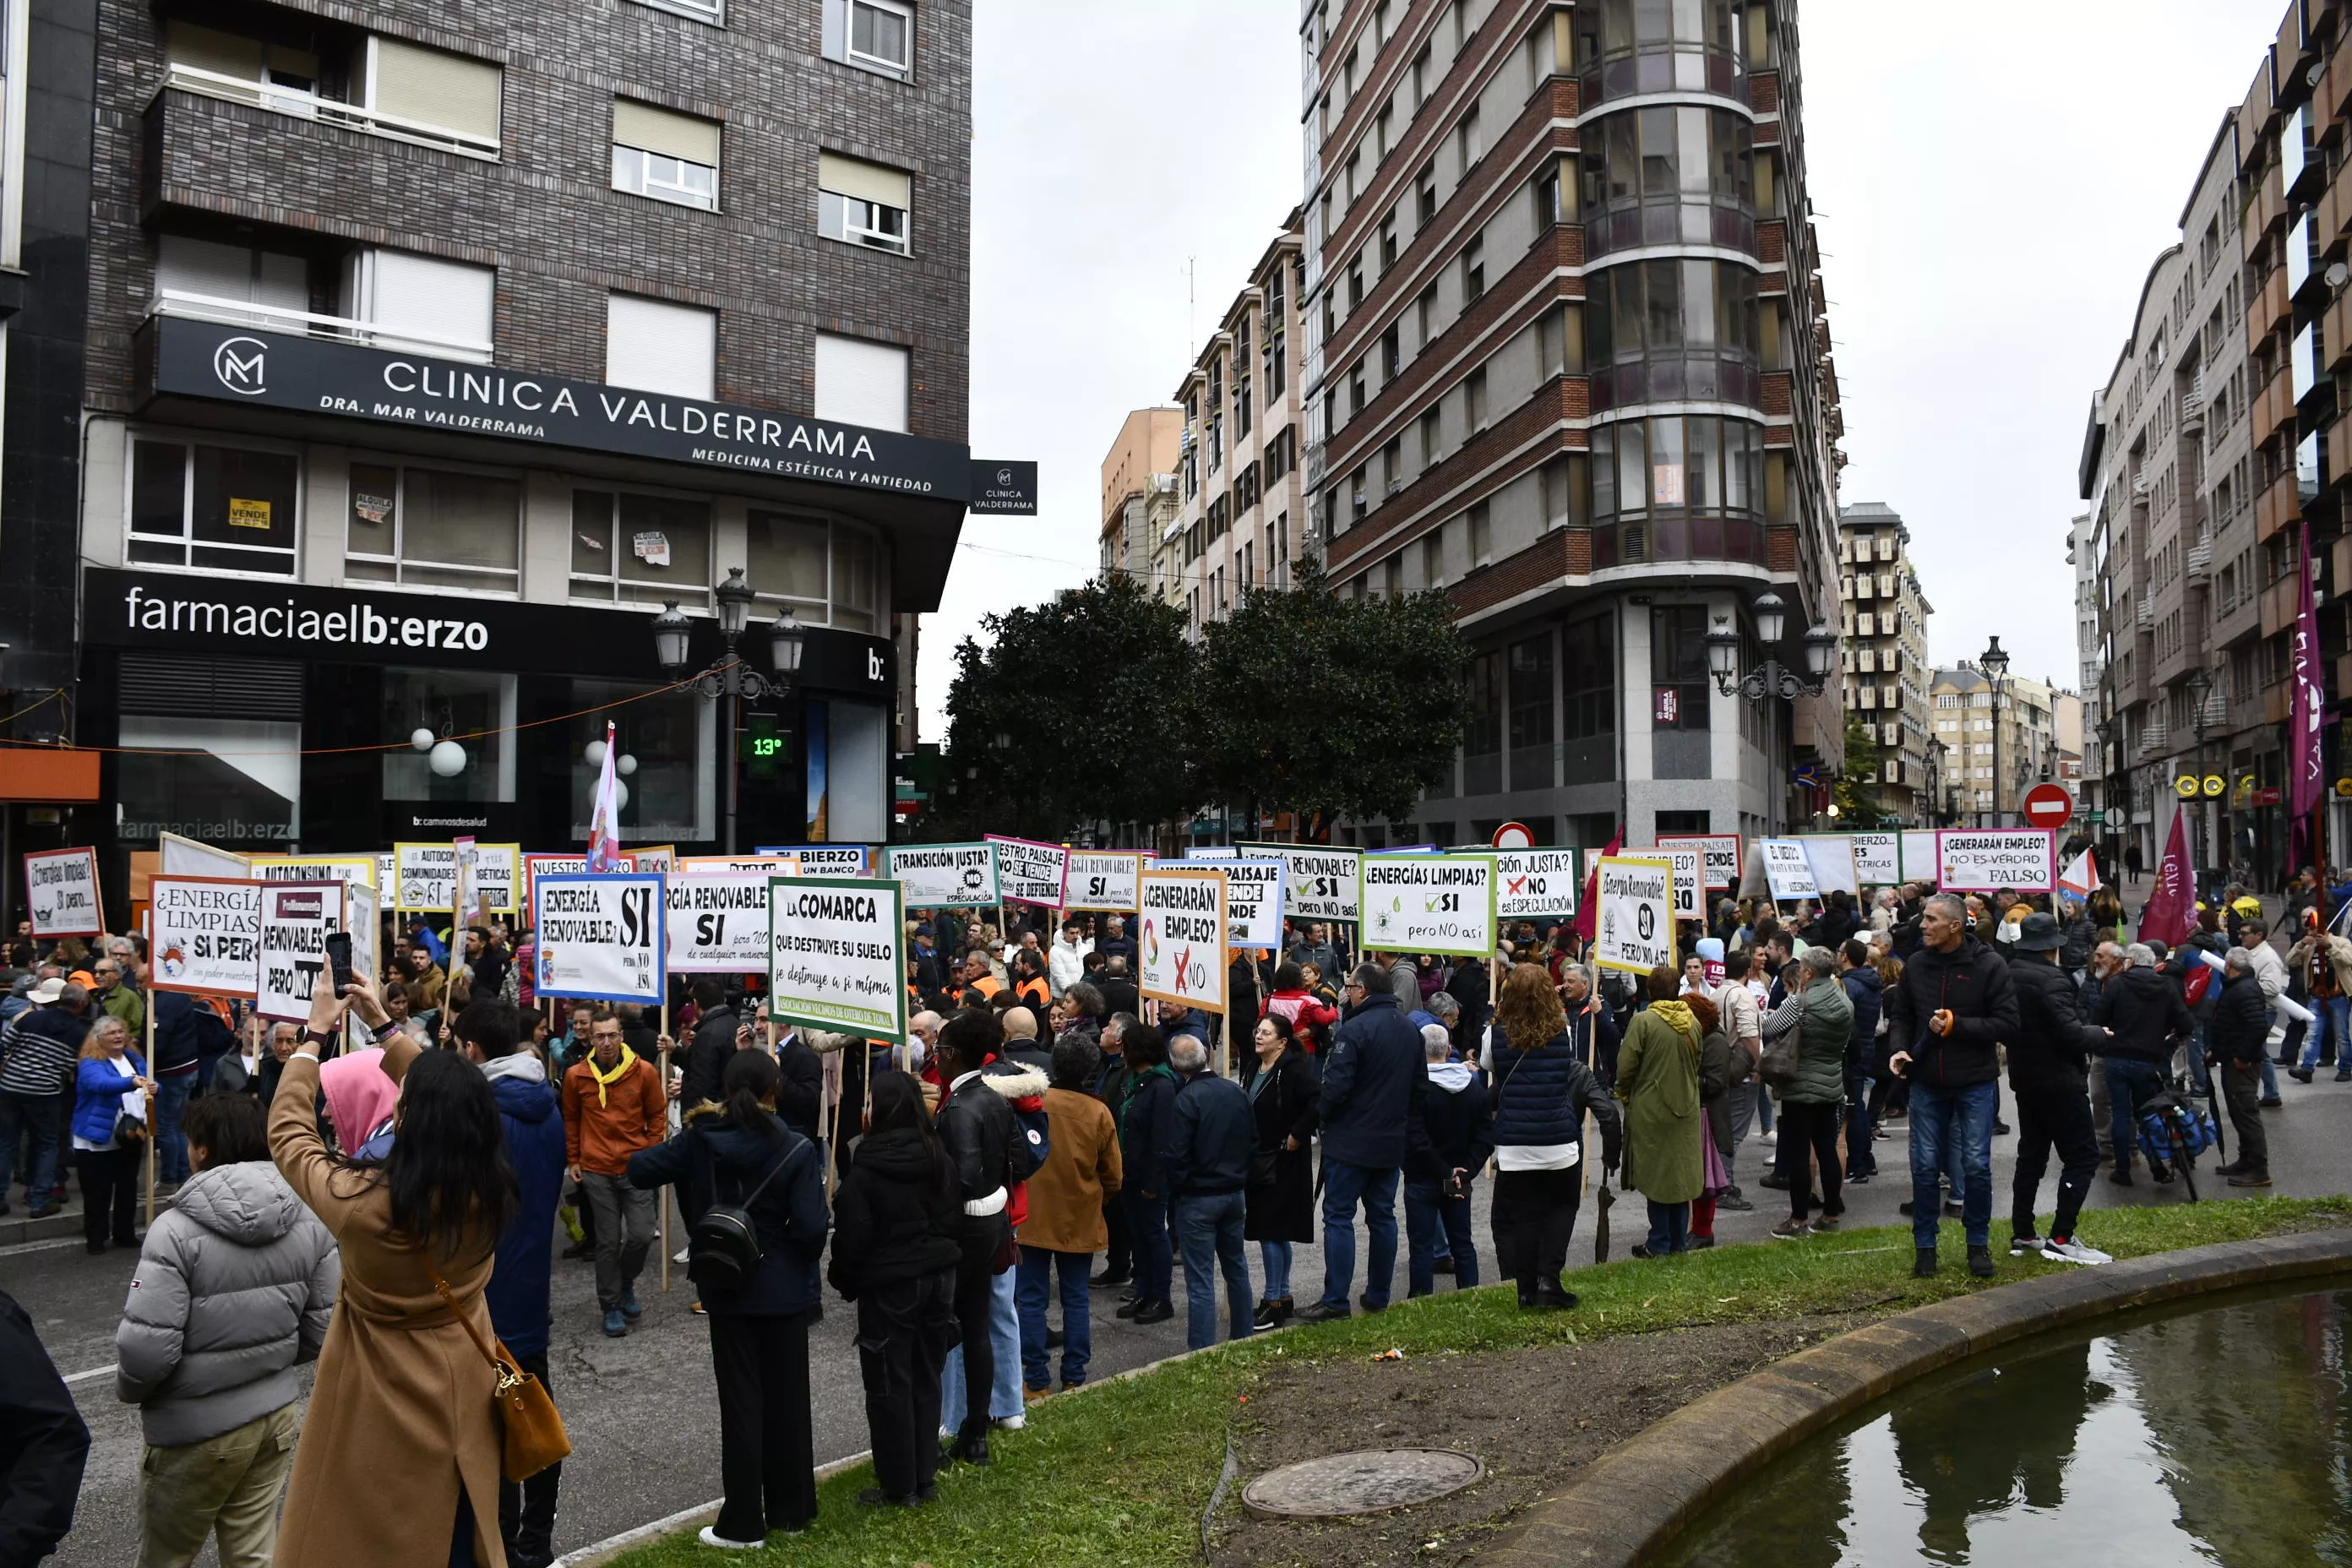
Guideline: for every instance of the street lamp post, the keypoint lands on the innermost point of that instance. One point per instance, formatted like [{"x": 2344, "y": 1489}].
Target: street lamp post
[
  {"x": 1770, "y": 678},
  {"x": 1995, "y": 664},
  {"x": 2200, "y": 683},
  {"x": 731, "y": 678}
]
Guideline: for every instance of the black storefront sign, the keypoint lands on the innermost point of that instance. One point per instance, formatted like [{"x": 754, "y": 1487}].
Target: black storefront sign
[
  {"x": 1003, "y": 489},
  {"x": 240, "y": 366},
  {"x": 232, "y": 617}
]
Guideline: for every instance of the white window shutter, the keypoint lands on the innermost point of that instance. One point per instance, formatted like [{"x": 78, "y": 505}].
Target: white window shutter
[
  {"x": 655, "y": 346},
  {"x": 659, "y": 130},
  {"x": 448, "y": 303},
  {"x": 860, "y": 382}
]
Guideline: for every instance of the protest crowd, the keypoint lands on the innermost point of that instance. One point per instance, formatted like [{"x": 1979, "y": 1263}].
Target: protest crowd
[{"x": 385, "y": 1188}]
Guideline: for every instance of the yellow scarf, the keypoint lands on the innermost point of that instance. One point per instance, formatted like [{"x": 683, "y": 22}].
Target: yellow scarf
[{"x": 628, "y": 1060}]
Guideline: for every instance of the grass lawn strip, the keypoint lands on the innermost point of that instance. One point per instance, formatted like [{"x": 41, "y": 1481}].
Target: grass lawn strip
[{"x": 1122, "y": 1472}]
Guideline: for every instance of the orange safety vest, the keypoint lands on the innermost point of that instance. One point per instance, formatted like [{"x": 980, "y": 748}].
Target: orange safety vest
[
  {"x": 1045, "y": 993},
  {"x": 988, "y": 985}
]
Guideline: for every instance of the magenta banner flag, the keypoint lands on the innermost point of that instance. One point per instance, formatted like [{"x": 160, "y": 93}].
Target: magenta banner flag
[
  {"x": 1584, "y": 915},
  {"x": 2304, "y": 719},
  {"x": 2171, "y": 912}
]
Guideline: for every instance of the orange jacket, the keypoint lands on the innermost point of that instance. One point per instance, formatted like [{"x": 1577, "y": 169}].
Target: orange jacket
[{"x": 635, "y": 1116}]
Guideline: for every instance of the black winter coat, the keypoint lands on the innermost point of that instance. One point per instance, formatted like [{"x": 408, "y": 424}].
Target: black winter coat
[
  {"x": 1215, "y": 1136},
  {"x": 2047, "y": 1052},
  {"x": 706, "y": 1055},
  {"x": 715, "y": 1161},
  {"x": 1455, "y": 1133},
  {"x": 2241, "y": 1020},
  {"x": 1147, "y": 1131},
  {"x": 801, "y": 1092},
  {"x": 1973, "y": 981},
  {"x": 1282, "y": 1105},
  {"x": 2144, "y": 1010},
  {"x": 43, "y": 1443},
  {"x": 983, "y": 1136},
  {"x": 1867, "y": 992},
  {"x": 896, "y": 1215}
]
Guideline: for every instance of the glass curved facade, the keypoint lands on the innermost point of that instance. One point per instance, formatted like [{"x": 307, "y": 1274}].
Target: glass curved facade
[
  {"x": 1669, "y": 174},
  {"x": 1672, "y": 331},
  {"x": 1678, "y": 488},
  {"x": 1629, "y": 46}
]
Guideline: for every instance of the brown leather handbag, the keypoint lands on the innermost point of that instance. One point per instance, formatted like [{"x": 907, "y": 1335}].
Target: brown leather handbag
[{"x": 531, "y": 1433}]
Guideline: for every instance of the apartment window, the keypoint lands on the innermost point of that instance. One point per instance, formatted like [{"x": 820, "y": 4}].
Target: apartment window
[
  {"x": 1429, "y": 440},
  {"x": 668, "y": 156},
  {"x": 1358, "y": 503},
  {"x": 1546, "y": 192},
  {"x": 1529, "y": 684},
  {"x": 1387, "y": 246},
  {"x": 642, "y": 549},
  {"x": 873, "y": 35},
  {"x": 1424, "y": 318},
  {"x": 1482, "y": 735},
  {"x": 655, "y": 346},
  {"x": 1425, "y": 186},
  {"x": 1421, "y": 76},
  {"x": 1482, "y": 535},
  {"x": 862, "y": 382},
  {"x": 823, "y": 573},
  {"x": 862, "y": 203},
  {"x": 1391, "y": 354},
  {"x": 206, "y": 278},
  {"x": 435, "y": 528},
  {"x": 434, "y": 89},
  {"x": 247, "y": 59},
  {"x": 1356, "y": 390},
  {"x": 712, "y": 11},
  {"x": 1392, "y": 576},
  {"x": 1467, "y": 139},
  {"x": 1473, "y": 401},
  {"x": 421, "y": 303},
  {"x": 1393, "y": 465},
  {"x": 1433, "y": 560},
  {"x": 1588, "y": 702},
  {"x": 1474, "y": 270},
  {"x": 1356, "y": 287},
  {"x": 213, "y": 508}
]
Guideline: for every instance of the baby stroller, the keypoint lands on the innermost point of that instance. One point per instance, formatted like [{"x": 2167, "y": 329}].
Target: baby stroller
[{"x": 2173, "y": 1130}]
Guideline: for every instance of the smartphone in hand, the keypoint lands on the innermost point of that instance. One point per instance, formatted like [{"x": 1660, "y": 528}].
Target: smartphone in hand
[{"x": 338, "y": 958}]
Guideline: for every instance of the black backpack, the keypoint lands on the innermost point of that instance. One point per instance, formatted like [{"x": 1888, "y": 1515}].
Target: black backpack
[{"x": 723, "y": 1246}]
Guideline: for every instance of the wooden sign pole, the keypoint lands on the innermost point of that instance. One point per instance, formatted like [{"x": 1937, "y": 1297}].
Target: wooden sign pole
[{"x": 669, "y": 1110}]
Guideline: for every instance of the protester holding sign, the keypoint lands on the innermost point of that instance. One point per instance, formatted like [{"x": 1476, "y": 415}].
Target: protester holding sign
[{"x": 613, "y": 1107}]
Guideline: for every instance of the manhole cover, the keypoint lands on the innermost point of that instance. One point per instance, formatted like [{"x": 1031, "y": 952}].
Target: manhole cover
[{"x": 1366, "y": 1481}]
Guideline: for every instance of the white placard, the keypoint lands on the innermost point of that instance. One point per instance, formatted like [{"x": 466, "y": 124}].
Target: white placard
[
  {"x": 1319, "y": 881},
  {"x": 762, "y": 866},
  {"x": 1831, "y": 855},
  {"x": 1689, "y": 862},
  {"x": 1181, "y": 947},
  {"x": 1920, "y": 864},
  {"x": 600, "y": 937},
  {"x": 655, "y": 858},
  {"x": 953, "y": 876},
  {"x": 1101, "y": 880},
  {"x": 1028, "y": 872},
  {"x": 718, "y": 922},
  {"x": 497, "y": 877},
  {"x": 1878, "y": 858},
  {"x": 295, "y": 917},
  {"x": 61, "y": 892},
  {"x": 386, "y": 876},
  {"x": 2006, "y": 860},
  {"x": 206, "y": 933},
  {"x": 362, "y": 909},
  {"x": 359, "y": 869},
  {"x": 1253, "y": 903},
  {"x": 1722, "y": 852},
  {"x": 835, "y": 946},
  {"x": 1213, "y": 852},
  {"x": 425, "y": 877},
  {"x": 1787, "y": 870},
  {"x": 537, "y": 866},
  {"x": 828, "y": 859},
  {"x": 1535, "y": 884},
  {"x": 178, "y": 857},
  {"x": 1418, "y": 903},
  {"x": 1634, "y": 925}
]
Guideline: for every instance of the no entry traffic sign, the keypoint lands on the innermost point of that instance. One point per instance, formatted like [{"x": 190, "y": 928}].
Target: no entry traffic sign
[{"x": 2048, "y": 806}]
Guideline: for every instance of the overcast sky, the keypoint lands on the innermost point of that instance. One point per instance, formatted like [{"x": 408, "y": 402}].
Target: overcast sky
[{"x": 1989, "y": 197}]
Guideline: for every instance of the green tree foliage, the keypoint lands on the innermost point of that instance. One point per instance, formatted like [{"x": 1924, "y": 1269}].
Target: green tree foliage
[
  {"x": 1092, "y": 690},
  {"x": 1856, "y": 790},
  {"x": 1323, "y": 706}
]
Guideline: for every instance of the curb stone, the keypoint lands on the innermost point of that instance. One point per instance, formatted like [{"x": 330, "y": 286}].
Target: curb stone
[{"x": 1636, "y": 1500}]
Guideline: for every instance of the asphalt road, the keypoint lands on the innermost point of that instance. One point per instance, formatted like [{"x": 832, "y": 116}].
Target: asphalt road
[{"x": 640, "y": 1410}]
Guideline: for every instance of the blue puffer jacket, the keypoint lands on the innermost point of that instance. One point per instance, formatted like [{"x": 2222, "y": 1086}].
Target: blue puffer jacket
[
  {"x": 1864, "y": 989},
  {"x": 1541, "y": 1097},
  {"x": 99, "y": 1089},
  {"x": 518, "y": 1290}
]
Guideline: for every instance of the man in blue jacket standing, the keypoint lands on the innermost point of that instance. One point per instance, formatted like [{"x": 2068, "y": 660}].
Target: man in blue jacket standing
[
  {"x": 488, "y": 1031},
  {"x": 1373, "y": 1086}
]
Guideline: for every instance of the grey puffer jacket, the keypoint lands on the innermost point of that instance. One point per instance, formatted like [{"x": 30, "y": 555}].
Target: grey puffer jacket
[{"x": 236, "y": 1287}]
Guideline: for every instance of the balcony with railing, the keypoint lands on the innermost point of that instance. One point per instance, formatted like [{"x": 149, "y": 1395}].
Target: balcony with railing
[
  {"x": 301, "y": 104},
  {"x": 310, "y": 324}
]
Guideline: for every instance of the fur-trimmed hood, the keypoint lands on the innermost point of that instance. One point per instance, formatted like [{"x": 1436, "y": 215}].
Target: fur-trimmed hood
[{"x": 1014, "y": 1081}]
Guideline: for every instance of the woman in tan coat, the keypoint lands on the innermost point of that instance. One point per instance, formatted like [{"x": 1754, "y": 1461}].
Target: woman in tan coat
[{"x": 398, "y": 1461}]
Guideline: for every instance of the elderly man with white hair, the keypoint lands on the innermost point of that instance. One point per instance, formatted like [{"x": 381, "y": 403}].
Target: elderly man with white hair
[
  {"x": 1208, "y": 1162},
  {"x": 1442, "y": 1155}
]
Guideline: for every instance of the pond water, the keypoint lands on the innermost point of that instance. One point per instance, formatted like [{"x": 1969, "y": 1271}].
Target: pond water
[{"x": 2220, "y": 1436}]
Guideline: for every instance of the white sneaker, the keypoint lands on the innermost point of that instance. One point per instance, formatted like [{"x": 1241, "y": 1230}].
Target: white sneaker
[
  {"x": 2075, "y": 1252},
  {"x": 1010, "y": 1422},
  {"x": 1769, "y": 1140},
  {"x": 710, "y": 1537},
  {"x": 681, "y": 1259},
  {"x": 2018, "y": 1245}
]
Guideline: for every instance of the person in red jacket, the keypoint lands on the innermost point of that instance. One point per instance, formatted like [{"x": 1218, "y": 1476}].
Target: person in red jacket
[{"x": 1292, "y": 1000}]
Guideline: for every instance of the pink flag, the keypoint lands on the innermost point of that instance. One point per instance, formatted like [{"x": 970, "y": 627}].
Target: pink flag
[
  {"x": 1584, "y": 916},
  {"x": 2171, "y": 912},
  {"x": 2303, "y": 720},
  {"x": 604, "y": 818}
]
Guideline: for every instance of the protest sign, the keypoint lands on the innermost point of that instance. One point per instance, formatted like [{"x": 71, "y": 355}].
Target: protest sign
[
  {"x": 718, "y": 922},
  {"x": 1213, "y": 852},
  {"x": 537, "y": 866},
  {"x": 1787, "y": 870},
  {"x": 1253, "y": 903},
  {"x": 425, "y": 877},
  {"x": 1181, "y": 949},
  {"x": 1722, "y": 852},
  {"x": 1535, "y": 884},
  {"x": 1635, "y": 928},
  {"x": 497, "y": 877},
  {"x": 1919, "y": 863},
  {"x": 206, "y": 933},
  {"x": 1319, "y": 881},
  {"x": 1689, "y": 863},
  {"x": 655, "y": 856},
  {"x": 61, "y": 893},
  {"x": 178, "y": 857},
  {"x": 957, "y": 876},
  {"x": 600, "y": 936},
  {"x": 316, "y": 868},
  {"x": 1878, "y": 858},
  {"x": 836, "y": 958},
  {"x": 385, "y": 873},
  {"x": 1418, "y": 903},
  {"x": 761, "y": 866},
  {"x": 828, "y": 859},
  {"x": 1101, "y": 880},
  {"x": 1028, "y": 872},
  {"x": 295, "y": 920},
  {"x": 362, "y": 904},
  {"x": 2015, "y": 859},
  {"x": 1830, "y": 858}
]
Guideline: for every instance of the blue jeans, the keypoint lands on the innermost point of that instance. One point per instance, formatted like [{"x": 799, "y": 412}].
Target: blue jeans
[
  {"x": 2129, "y": 1085},
  {"x": 1861, "y": 1159},
  {"x": 37, "y": 1116},
  {"x": 1433, "y": 1220},
  {"x": 1035, "y": 1272},
  {"x": 2329, "y": 1036},
  {"x": 1344, "y": 1186},
  {"x": 1945, "y": 1121},
  {"x": 171, "y": 1147},
  {"x": 1209, "y": 1227},
  {"x": 1005, "y": 1340},
  {"x": 1146, "y": 1226},
  {"x": 1669, "y": 1228},
  {"x": 1274, "y": 1257}
]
